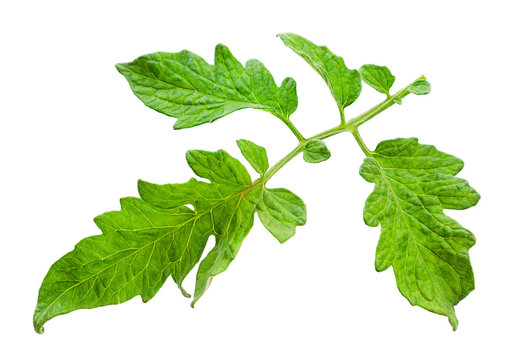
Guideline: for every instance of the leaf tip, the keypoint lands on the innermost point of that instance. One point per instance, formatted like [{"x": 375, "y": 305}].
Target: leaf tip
[
  {"x": 179, "y": 125},
  {"x": 120, "y": 67},
  {"x": 183, "y": 291},
  {"x": 144, "y": 189},
  {"x": 38, "y": 327},
  {"x": 453, "y": 320},
  {"x": 476, "y": 198},
  {"x": 285, "y": 37},
  {"x": 223, "y": 51},
  {"x": 196, "y": 298}
]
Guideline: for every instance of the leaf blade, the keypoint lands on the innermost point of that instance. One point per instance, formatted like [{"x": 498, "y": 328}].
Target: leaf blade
[
  {"x": 147, "y": 241},
  {"x": 344, "y": 84},
  {"x": 228, "y": 242},
  {"x": 378, "y": 77},
  {"x": 427, "y": 249},
  {"x": 316, "y": 151},
  {"x": 255, "y": 155},
  {"x": 184, "y": 86},
  {"x": 92, "y": 274},
  {"x": 420, "y": 87},
  {"x": 280, "y": 212}
]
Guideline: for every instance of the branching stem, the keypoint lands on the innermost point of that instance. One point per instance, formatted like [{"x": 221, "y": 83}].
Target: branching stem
[{"x": 350, "y": 126}]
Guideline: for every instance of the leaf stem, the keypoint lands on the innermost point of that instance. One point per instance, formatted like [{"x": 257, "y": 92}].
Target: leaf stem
[
  {"x": 382, "y": 106},
  {"x": 360, "y": 142},
  {"x": 271, "y": 172},
  {"x": 342, "y": 115},
  {"x": 293, "y": 129},
  {"x": 351, "y": 126}
]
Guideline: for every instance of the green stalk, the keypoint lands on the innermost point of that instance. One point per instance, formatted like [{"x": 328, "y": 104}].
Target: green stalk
[
  {"x": 271, "y": 172},
  {"x": 350, "y": 126},
  {"x": 360, "y": 142},
  {"x": 293, "y": 129}
]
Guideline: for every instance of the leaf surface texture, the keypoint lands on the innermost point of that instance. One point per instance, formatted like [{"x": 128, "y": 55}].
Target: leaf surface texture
[
  {"x": 184, "y": 86},
  {"x": 316, "y": 151},
  {"x": 160, "y": 235},
  {"x": 427, "y": 249},
  {"x": 420, "y": 87},
  {"x": 344, "y": 83},
  {"x": 255, "y": 155},
  {"x": 378, "y": 77},
  {"x": 281, "y": 211}
]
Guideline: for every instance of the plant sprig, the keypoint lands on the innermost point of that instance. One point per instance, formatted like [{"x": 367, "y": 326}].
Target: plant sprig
[{"x": 159, "y": 235}]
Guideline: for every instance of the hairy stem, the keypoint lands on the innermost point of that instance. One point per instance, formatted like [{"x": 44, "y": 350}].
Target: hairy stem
[{"x": 351, "y": 126}]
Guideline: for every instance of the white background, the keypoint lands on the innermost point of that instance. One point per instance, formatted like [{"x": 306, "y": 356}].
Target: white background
[{"x": 74, "y": 140}]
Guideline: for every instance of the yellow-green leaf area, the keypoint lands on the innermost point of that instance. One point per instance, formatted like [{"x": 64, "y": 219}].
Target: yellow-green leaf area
[{"x": 427, "y": 249}]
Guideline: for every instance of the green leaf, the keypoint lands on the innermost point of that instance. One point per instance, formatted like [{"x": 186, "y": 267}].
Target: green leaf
[
  {"x": 286, "y": 210},
  {"x": 139, "y": 248},
  {"x": 147, "y": 241},
  {"x": 378, "y": 77},
  {"x": 255, "y": 155},
  {"x": 420, "y": 87},
  {"x": 234, "y": 223},
  {"x": 184, "y": 86},
  {"x": 427, "y": 249},
  {"x": 345, "y": 84},
  {"x": 280, "y": 211},
  {"x": 164, "y": 233},
  {"x": 158, "y": 236},
  {"x": 316, "y": 151}
]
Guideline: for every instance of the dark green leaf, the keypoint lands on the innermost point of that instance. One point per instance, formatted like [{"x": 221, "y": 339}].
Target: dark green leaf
[
  {"x": 184, "y": 86},
  {"x": 316, "y": 151},
  {"x": 255, "y": 155},
  {"x": 420, "y": 87},
  {"x": 281, "y": 211},
  {"x": 427, "y": 249},
  {"x": 345, "y": 84},
  {"x": 378, "y": 77}
]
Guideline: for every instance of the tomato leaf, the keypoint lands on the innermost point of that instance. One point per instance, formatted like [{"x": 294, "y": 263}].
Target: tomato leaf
[
  {"x": 344, "y": 83},
  {"x": 316, "y": 151},
  {"x": 281, "y": 211},
  {"x": 427, "y": 249},
  {"x": 378, "y": 77},
  {"x": 420, "y": 87},
  {"x": 184, "y": 86},
  {"x": 147, "y": 241},
  {"x": 164, "y": 233},
  {"x": 255, "y": 155}
]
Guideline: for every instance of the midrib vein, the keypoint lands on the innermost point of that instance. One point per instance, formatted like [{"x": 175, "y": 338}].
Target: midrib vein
[
  {"x": 199, "y": 92},
  {"x": 194, "y": 218},
  {"x": 394, "y": 195}
]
